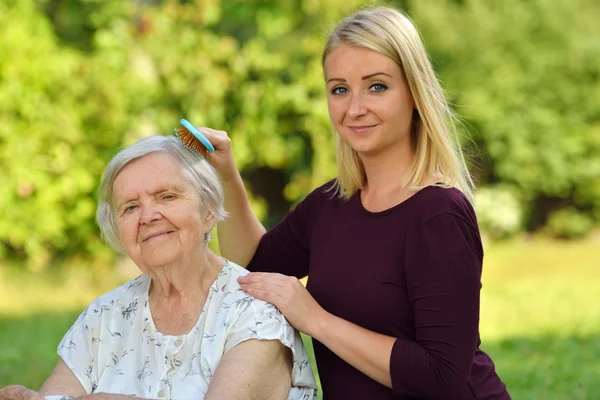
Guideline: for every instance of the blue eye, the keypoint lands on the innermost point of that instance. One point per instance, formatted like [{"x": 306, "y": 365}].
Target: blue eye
[
  {"x": 168, "y": 197},
  {"x": 339, "y": 90},
  {"x": 130, "y": 208},
  {"x": 378, "y": 87}
]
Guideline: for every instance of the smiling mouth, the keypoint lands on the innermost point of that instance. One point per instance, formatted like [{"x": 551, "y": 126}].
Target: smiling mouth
[
  {"x": 157, "y": 235},
  {"x": 362, "y": 128}
]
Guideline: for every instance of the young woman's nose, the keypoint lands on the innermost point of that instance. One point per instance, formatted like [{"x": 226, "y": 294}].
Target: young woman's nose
[{"x": 356, "y": 108}]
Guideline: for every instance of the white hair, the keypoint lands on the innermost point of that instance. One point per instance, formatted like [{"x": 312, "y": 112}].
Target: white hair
[{"x": 198, "y": 172}]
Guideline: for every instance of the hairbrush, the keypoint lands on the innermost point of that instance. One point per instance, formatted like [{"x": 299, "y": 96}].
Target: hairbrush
[{"x": 193, "y": 139}]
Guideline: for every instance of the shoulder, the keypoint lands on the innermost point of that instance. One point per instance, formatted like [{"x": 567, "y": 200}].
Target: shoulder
[
  {"x": 126, "y": 292},
  {"x": 258, "y": 308},
  {"x": 445, "y": 217},
  {"x": 231, "y": 271},
  {"x": 121, "y": 297},
  {"x": 227, "y": 278},
  {"x": 435, "y": 201},
  {"x": 326, "y": 192},
  {"x": 324, "y": 197},
  {"x": 231, "y": 291},
  {"x": 304, "y": 214},
  {"x": 116, "y": 305}
]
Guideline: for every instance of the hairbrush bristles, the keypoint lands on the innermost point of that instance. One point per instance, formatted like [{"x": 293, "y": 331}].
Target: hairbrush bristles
[{"x": 191, "y": 141}]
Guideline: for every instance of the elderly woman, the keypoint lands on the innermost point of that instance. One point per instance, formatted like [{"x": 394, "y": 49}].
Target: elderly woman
[{"x": 183, "y": 329}]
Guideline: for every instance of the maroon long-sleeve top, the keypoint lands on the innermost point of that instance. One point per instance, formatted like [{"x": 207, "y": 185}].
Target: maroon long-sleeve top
[{"x": 412, "y": 272}]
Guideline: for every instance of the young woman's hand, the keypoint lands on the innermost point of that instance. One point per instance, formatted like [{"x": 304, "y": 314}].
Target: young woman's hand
[
  {"x": 289, "y": 296},
  {"x": 222, "y": 158}
]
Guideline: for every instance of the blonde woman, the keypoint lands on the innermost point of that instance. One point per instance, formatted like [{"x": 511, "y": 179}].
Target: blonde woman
[{"x": 391, "y": 247}]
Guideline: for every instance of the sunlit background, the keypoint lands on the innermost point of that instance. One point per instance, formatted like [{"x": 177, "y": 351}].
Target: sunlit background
[{"x": 80, "y": 79}]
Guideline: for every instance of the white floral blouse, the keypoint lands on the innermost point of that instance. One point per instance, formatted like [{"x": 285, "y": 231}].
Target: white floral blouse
[{"x": 114, "y": 347}]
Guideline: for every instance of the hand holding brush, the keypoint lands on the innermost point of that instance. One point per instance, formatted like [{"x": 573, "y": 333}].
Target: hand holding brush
[{"x": 213, "y": 145}]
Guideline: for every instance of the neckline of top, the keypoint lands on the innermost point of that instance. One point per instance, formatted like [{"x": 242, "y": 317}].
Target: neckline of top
[
  {"x": 213, "y": 289},
  {"x": 393, "y": 208}
]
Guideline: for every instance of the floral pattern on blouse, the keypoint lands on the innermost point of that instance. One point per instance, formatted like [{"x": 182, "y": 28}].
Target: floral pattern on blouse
[{"x": 114, "y": 347}]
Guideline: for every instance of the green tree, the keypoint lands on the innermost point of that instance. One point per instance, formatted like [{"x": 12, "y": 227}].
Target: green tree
[
  {"x": 80, "y": 79},
  {"x": 525, "y": 78}
]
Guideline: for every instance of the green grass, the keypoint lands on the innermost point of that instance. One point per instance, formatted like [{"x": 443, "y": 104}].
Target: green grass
[
  {"x": 540, "y": 318},
  {"x": 28, "y": 346}
]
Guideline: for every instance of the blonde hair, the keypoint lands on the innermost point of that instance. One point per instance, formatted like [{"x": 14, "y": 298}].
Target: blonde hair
[{"x": 433, "y": 132}]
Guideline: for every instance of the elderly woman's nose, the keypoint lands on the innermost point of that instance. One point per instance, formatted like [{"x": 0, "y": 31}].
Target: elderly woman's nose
[{"x": 149, "y": 213}]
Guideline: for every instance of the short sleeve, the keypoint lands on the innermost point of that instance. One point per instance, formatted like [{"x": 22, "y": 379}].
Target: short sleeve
[
  {"x": 79, "y": 350},
  {"x": 263, "y": 321}
]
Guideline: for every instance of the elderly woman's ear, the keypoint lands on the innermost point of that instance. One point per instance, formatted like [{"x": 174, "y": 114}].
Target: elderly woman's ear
[{"x": 209, "y": 223}]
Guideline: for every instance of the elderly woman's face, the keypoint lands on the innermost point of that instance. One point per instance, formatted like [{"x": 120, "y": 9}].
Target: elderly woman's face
[{"x": 158, "y": 212}]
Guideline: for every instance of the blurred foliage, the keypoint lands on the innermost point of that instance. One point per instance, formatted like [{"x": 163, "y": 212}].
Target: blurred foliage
[
  {"x": 525, "y": 77},
  {"x": 568, "y": 223},
  {"x": 499, "y": 211},
  {"x": 80, "y": 79}
]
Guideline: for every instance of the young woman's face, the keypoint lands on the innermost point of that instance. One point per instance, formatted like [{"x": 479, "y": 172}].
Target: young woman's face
[
  {"x": 158, "y": 212},
  {"x": 369, "y": 101}
]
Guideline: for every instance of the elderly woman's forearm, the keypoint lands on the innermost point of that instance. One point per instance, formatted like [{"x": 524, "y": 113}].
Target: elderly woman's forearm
[
  {"x": 18, "y": 392},
  {"x": 240, "y": 233},
  {"x": 108, "y": 396}
]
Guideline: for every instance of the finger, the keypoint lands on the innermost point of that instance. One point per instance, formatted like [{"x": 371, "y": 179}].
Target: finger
[
  {"x": 258, "y": 277},
  {"x": 264, "y": 295},
  {"x": 219, "y": 139},
  {"x": 265, "y": 284},
  {"x": 267, "y": 276},
  {"x": 267, "y": 287}
]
